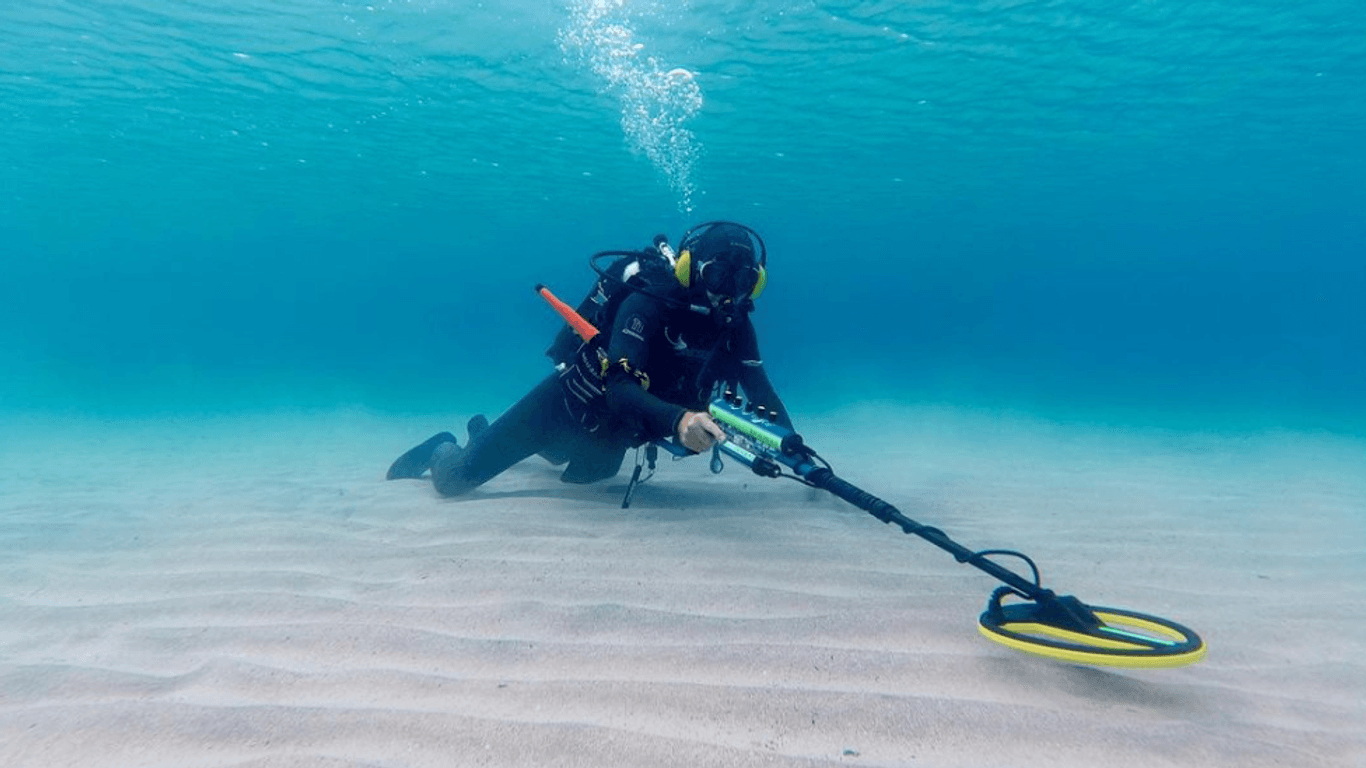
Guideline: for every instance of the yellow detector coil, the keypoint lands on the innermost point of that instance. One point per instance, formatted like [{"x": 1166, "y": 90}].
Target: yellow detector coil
[{"x": 1118, "y": 638}]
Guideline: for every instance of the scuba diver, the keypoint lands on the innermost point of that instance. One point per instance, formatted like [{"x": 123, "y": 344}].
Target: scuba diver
[
  {"x": 663, "y": 334},
  {"x": 675, "y": 329}
]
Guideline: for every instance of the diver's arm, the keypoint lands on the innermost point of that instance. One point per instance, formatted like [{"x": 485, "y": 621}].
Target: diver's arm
[
  {"x": 656, "y": 419},
  {"x": 650, "y": 417},
  {"x": 754, "y": 378},
  {"x": 638, "y": 321},
  {"x": 761, "y": 392}
]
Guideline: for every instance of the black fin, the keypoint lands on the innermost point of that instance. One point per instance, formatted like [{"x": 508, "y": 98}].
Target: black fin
[
  {"x": 418, "y": 460},
  {"x": 477, "y": 424}
]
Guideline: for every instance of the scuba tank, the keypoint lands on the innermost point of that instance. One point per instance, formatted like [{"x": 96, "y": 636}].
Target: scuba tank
[{"x": 629, "y": 270}]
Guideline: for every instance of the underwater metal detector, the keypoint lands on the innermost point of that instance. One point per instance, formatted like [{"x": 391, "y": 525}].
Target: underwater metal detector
[
  {"x": 1058, "y": 627},
  {"x": 1055, "y": 626}
]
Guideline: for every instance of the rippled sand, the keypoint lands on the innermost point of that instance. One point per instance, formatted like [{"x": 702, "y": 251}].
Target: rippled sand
[{"x": 248, "y": 591}]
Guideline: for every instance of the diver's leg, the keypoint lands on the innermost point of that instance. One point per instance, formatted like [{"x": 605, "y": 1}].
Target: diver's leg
[
  {"x": 419, "y": 459},
  {"x": 594, "y": 460},
  {"x": 555, "y": 456},
  {"x": 590, "y": 469},
  {"x": 527, "y": 427}
]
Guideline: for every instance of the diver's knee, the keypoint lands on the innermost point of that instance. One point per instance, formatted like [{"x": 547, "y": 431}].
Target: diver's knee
[
  {"x": 555, "y": 457},
  {"x": 448, "y": 476},
  {"x": 583, "y": 471},
  {"x": 447, "y": 485},
  {"x": 450, "y": 483}
]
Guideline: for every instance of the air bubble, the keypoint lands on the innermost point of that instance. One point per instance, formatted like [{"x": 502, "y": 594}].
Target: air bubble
[{"x": 655, "y": 101}]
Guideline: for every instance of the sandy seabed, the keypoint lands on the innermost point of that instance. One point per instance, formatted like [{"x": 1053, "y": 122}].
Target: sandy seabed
[{"x": 249, "y": 591}]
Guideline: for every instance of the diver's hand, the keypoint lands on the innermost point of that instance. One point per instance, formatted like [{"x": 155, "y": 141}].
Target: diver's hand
[{"x": 697, "y": 432}]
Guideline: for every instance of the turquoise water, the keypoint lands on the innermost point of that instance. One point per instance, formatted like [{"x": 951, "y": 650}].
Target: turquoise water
[{"x": 1141, "y": 211}]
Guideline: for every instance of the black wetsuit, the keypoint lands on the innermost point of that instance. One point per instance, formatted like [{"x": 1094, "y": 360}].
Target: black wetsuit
[{"x": 589, "y": 420}]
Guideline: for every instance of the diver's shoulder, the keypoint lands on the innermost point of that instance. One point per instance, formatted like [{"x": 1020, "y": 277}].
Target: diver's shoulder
[{"x": 659, "y": 298}]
